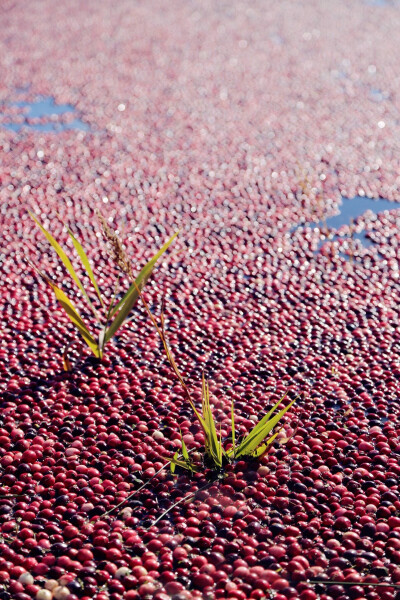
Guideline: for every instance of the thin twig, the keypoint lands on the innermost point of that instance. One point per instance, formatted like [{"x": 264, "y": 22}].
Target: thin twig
[
  {"x": 66, "y": 360},
  {"x": 161, "y": 333},
  {"x": 6, "y": 496},
  {"x": 142, "y": 486},
  {"x": 362, "y": 583},
  {"x": 193, "y": 494}
]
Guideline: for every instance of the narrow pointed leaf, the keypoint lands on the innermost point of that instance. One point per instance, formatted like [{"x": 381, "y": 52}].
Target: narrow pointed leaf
[
  {"x": 265, "y": 419},
  {"x": 182, "y": 464},
  {"x": 66, "y": 362},
  {"x": 184, "y": 450},
  {"x": 215, "y": 446},
  {"x": 221, "y": 448},
  {"x": 111, "y": 308},
  {"x": 128, "y": 301},
  {"x": 260, "y": 432},
  {"x": 143, "y": 275},
  {"x": 75, "y": 318},
  {"x": 273, "y": 409},
  {"x": 173, "y": 463},
  {"x": 100, "y": 341},
  {"x": 85, "y": 263},
  {"x": 201, "y": 418},
  {"x": 119, "y": 304},
  {"x": 262, "y": 449},
  {"x": 64, "y": 258}
]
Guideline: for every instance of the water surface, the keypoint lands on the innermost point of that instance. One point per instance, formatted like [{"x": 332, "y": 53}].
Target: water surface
[
  {"x": 351, "y": 209},
  {"x": 44, "y": 108}
]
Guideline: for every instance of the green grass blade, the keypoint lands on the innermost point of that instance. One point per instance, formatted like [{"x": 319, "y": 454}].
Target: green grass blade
[
  {"x": 143, "y": 275},
  {"x": 232, "y": 451},
  {"x": 102, "y": 333},
  {"x": 176, "y": 462},
  {"x": 221, "y": 447},
  {"x": 215, "y": 446},
  {"x": 261, "y": 449},
  {"x": 75, "y": 318},
  {"x": 184, "y": 450},
  {"x": 273, "y": 409},
  {"x": 110, "y": 311},
  {"x": 185, "y": 455},
  {"x": 199, "y": 418},
  {"x": 260, "y": 432},
  {"x": 263, "y": 428},
  {"x": 85, "y": 263},
  {"x": 202, "y": 419},
  {"x": 207, "y": 431},
  {"x": 119, "y": 304},
  {"x": 173, "y": 463},
  {"x": 66, "y": 362},
  {"x": 64, "y": 258},
  {"x": 267, "y": 417},
  {"x": 207, "y": 416},
  {"x": 128, "y": 301}
]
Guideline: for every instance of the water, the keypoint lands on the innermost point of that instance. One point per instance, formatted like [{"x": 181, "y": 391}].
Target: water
[
  {"x": 45, "y": 108},
  {"x": 351, "y": 209},
  {"x": 377, "y": 95}
]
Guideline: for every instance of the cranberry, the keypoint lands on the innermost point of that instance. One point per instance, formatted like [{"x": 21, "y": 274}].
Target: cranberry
[{"x": 264, "y": 299}]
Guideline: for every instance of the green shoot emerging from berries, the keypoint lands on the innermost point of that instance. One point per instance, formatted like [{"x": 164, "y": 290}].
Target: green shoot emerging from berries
[
  {"x": 254, "y": 444},
  {"x": 109, "y": 318}
]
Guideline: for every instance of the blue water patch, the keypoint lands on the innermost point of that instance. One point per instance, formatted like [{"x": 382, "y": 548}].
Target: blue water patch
[
  {"x": 44, "y": 108},
  {"x": 377, "y": 95},
  {"x": 350, "y": 209}
]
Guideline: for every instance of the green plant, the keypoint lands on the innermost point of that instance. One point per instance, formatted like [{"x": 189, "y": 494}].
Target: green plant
[
  {"x": 109, "y": 318},
  {"x": 254, "y": 444}
]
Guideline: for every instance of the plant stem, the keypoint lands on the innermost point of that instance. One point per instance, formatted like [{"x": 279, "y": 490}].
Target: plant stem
[
  {"x": 191, "y": 494},
  {"x": 143, "y": 485}
]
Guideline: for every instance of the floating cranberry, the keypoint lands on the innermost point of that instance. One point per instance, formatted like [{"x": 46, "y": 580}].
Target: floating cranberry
[{"x": 263, "y": 299}]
